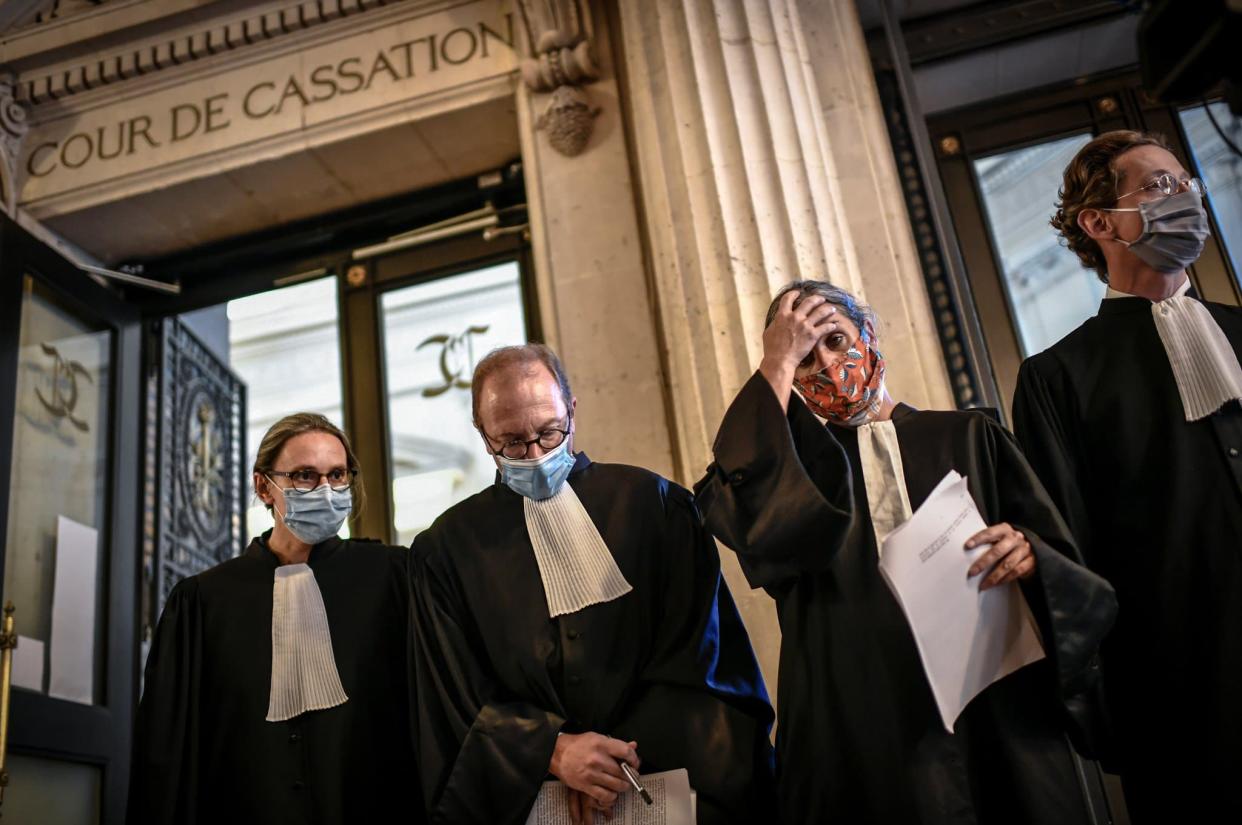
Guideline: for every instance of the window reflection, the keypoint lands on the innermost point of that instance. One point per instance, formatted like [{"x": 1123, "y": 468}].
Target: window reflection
[
  {"x": 1221, "y": 169},
  {"x": 434, "y": 334},
  {"x": 1049, "y": 291},
  {"x": 285, "y": 345},
  {"x": 57, "y": 548}
]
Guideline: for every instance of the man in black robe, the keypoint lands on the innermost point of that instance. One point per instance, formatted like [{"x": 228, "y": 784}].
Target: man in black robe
[
  {"x": 551, "y": 654},
  {"x": 1133, "y": 424},
  {"x": 205, "y": 751},
  {"x": 860, "y": 739}
]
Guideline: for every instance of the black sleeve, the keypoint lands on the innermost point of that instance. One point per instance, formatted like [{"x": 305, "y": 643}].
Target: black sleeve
[
  {"x": 779, "y": 492},
  {"x": 1044, "y": 429},
  {"x": 1074, "y": 607},
  {"x": 164, "y": 773},
  {"x": 703, "y": 674},
  {"x": 482, "y": 755}
]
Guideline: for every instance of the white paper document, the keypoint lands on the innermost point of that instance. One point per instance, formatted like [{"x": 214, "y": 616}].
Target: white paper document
[
  {"x": 671, "y": 797},
  {"x": 71, "y": 650},
  {"x": 967, "y": 639},
  {"x": 28, "y": 663}
]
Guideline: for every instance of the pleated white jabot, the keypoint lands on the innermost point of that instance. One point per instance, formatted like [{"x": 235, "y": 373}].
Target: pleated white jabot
[
  {"x": 1204, "y": 364},
  {"x": 884, "y": 477},
  {"x": 304, "y": 675},
  {"x": 575, "y": 565}
]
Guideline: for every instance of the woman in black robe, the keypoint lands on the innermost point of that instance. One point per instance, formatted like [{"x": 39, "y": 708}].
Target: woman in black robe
[
  {"x": 237, "y": 648},
  {"x": 859, "y": 738}
]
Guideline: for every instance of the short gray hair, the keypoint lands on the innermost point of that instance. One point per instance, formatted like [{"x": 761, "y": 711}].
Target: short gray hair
[{"x": 856, "y": 311}]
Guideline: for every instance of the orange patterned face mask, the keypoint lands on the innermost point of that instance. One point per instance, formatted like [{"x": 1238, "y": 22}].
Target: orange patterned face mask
[{"x": 847, "y": 392}]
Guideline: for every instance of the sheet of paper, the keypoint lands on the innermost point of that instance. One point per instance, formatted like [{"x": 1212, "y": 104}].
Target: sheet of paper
[
  {"x": 28, "y": 663},
  {"x": 671, "y": 797},
  {"x": 71, "y": 649},
  {"x": 967, "y": 639}
]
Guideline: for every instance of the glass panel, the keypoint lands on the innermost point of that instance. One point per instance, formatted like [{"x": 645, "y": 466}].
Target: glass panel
[
  {"x": 1221, "y": 169},
  {"x": 284, "y": 344},
  {"x": 51, "y": 792},
  {"x": 434, "y": 333},
  {"x": 56, "y": 549},
  {"x": 1049, "y": 291}
]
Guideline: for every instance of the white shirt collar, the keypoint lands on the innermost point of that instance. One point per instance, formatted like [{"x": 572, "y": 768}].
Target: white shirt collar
[{"x": 1117, "y": 293}]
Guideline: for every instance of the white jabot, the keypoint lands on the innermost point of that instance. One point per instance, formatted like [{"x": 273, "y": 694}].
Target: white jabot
[
  {"x": 1204, "y": 364},
  {"x": 575, "y": 565},
  {"x": 884, "y": 477},
  {"x": 304, "y": 675}
]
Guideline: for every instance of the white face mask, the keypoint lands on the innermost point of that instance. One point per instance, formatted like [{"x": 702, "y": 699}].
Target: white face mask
[{"x": 317, "y": 514}]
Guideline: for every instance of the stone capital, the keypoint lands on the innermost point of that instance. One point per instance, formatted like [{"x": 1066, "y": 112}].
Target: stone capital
[
  {"x": 13, "y": 129},
  {"x": 561, "y": 60}
]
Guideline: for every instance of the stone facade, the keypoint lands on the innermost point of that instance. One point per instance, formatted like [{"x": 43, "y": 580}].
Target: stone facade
[{"x": 683, "y": 159}]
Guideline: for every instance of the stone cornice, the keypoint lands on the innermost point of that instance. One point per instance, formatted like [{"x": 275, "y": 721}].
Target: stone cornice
[{"x": 187, "y": 45}]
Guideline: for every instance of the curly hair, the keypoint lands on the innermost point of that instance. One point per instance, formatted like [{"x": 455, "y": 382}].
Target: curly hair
[{"x": 1090, "y": 182}]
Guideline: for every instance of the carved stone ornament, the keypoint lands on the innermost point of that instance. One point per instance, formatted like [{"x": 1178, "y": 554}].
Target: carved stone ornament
[
  {"x": 567, "y": 120},
  {"x": 13, "y": 128},
  {"x": 561, "y": 62}
]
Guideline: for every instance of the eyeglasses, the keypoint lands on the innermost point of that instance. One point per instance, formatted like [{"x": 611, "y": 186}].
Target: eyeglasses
[
  {"x": 517, "y": 449},
  {"x": 305, "y": 480},
  {"x": 1166, "y": 184}
]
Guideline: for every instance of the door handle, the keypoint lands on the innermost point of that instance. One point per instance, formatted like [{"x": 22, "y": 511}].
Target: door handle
[{"x": 8, "y": 642}]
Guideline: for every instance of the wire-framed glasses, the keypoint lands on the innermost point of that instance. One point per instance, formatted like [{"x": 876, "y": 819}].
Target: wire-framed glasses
[{"x": 1167, "y": 184}]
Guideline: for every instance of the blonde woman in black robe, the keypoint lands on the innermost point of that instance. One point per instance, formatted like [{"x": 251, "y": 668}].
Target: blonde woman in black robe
[{"x": 276, "y": 687}]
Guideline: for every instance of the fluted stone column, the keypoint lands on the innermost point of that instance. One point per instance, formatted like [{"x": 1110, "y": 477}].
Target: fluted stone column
[
  {"x": 762, "y": 158},
  {"x": 595, "y": 306}
]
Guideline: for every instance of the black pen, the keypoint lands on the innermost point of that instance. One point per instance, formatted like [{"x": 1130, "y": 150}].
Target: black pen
[{"x": 629, "y": 774}]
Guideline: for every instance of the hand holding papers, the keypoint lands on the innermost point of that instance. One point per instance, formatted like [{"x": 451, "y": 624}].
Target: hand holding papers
[
  {"x": 672, "y": 802},
  {"x": 967, "y": 639}
]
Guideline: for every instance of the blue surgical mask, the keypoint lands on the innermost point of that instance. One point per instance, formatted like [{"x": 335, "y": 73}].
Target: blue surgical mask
[
  {"x": 317, "y": 514},
  {"x": 537, "y": 478}
]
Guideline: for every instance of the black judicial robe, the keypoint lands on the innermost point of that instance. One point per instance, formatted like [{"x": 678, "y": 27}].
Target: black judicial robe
[
  {"x": 668, "y": 665},
  {"x": 859, "y": 738},
  {"x": 1155, "y": 504},
  {"x": 203, "y": 750}
]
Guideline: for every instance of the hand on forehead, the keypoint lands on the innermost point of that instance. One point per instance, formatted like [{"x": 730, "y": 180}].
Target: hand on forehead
[{"x": 841, "y": 318}]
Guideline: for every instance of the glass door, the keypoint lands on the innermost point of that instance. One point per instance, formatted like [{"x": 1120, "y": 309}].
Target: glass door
[
  {"x": 1047, "y": 291},
  {"x": 69, "y": 447},
  {"x": 434, "y": 334},
  {"x": 414, "y": 325},
  {"x": 1214, "y": 135}
]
